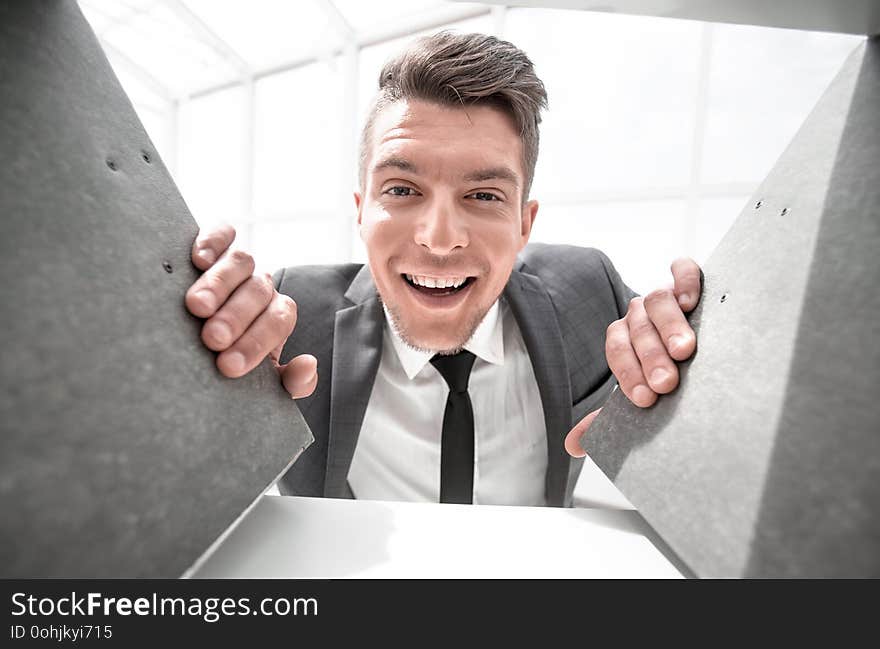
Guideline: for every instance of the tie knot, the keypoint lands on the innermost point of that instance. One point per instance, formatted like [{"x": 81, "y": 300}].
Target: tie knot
[{"x": 455, "y": 369}]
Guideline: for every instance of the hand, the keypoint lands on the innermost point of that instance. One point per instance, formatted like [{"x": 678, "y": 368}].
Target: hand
[
  {"x": 246, "y": 318},
  {"x": 642, "y": 347}
]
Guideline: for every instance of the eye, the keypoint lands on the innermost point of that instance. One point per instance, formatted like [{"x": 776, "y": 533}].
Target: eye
[
  {"x": 483, "y": 196},
  {"x": 400, "y": 190}
]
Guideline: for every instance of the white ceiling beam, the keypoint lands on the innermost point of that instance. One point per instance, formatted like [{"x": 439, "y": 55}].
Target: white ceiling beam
[
  {"x": 139, "y": 73},
  {"x": 440, "y": 17},
  {"x": 847, "y": 16},
  {"x": 339, "y": 22},
  {"x": 210, "y": 37},
  {"x": 428, "y": 19},
  {"x": 133, "y": 11}
]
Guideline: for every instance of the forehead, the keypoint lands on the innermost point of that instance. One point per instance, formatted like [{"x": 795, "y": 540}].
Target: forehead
[{"x": 446, "y": 140}]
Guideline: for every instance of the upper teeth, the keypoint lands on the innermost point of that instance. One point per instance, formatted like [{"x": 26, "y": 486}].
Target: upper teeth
[{"x": 436, "y": 282}]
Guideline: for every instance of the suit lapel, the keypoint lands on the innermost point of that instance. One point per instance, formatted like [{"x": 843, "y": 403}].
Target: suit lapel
[
  {"x": 537, "y": 321},
  {"x": 357, "y": 349}
]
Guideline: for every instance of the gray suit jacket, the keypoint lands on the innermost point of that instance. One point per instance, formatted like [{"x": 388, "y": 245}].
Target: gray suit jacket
[{"x": 563, "y": 298}]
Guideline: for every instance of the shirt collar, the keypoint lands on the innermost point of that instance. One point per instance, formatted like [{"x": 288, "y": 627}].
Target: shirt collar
[{"x": 486, "y": 343}]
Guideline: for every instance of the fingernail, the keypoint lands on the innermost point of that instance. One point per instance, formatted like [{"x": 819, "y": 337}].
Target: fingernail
[
  {"x": 676, "y": 342},
  {"x": 206, "y": 255},
  {"x": 221, "y": 333},
  {"x": 206, "y": 297},
  {"x": 660, "y": 376},
  {"x": 684, "y": 300},
  {"x": 642, "y": 394},
  {"x": 235, "y": 362}
]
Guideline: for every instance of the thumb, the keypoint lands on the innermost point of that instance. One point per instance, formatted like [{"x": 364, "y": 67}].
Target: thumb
[
  {"x": 573, "y": 439},
  {"x": 300, "y": 375}
]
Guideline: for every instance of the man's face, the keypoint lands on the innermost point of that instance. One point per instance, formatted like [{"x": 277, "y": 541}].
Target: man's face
[{"x": 442, "y": 216}]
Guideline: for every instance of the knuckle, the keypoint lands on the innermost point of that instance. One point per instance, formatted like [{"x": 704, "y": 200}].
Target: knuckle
[
  {"x": 616, "y": 347},
  {"x": 253, "y": 346},
  {"x": 654, "y": 355},
  {"x": 214, "y": 241},
  {"x": 212, "y": 281},
  {"x": 289, "y": 304},
  {"x": 218, "y": 239},
  {"x": 613, "y": 329},
  {"x": 641, "y": 327},
  {"x": 635, "y": 304},
  {"x": 219, "y": 333},
  {"x": 241, "y": 258},
  {"x": 283, "y": 311},
  {"x": 660, "y": 295},
  {"x": 627, "y": 377},
  {"x": 264, "y": 290}
]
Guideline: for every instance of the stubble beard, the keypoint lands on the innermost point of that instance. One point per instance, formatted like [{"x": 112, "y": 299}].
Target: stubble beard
[{"x": 464, "y": 334}]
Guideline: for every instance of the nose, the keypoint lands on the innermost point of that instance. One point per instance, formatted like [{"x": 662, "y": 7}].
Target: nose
[{"x": 441, "y": 229}]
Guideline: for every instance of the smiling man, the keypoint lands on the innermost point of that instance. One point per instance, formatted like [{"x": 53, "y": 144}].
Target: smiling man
[
  {"x": 454, "y": 364},
  {"x": 443, "y": 218}
]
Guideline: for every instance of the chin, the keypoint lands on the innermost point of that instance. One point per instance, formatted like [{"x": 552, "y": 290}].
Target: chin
[
  {"x": 441, "y": 346},
  {"x": 437, "y": 336}
]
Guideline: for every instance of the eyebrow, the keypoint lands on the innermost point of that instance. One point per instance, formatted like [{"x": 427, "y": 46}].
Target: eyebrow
[
  {"x": 479, "y": 175},
  {"x": 493, "y": 173},
  {"x": 395, "y": 163}
]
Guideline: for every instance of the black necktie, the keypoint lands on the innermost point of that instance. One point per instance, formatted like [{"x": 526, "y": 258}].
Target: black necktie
[{"x": 457, "y": 443}]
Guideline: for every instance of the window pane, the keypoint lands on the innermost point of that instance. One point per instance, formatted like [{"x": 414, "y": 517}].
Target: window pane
[
  {"x": 641, "y": 237},
  {"x": 622, "y": 96},
  {"x": 160, "y": 42},
  {"x": 293, "y": 243},
  {"x": 212, "y": 165},
  {"x": 764, "y": 83},
  {"x": 269, "y": 32},
  {"x": 298, "y": 150},
  {"x": 366, "y": 16},
  {"x": 716, "y": 215}
]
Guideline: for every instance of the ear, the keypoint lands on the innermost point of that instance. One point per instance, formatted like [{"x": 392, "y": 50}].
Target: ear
[
  {"x": 527, "y": 219},
  {"x": 357, "y": 205}
]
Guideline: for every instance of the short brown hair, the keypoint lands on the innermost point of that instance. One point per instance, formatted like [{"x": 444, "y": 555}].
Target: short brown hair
[{"x": 464, "y": 69}]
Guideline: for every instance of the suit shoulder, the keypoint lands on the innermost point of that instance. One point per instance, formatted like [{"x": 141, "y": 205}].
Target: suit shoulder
[
  {"x": 548, "y": 261},
  {"x": 341, "y": 274},
  {"x": 577, "y": 277},
  {"x": 318, "y": 286},
  {"x": 587, "y": 295},
  {"x": 319, "y": 292}
]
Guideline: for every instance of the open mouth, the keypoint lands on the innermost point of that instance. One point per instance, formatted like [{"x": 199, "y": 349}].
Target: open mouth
[{"x": 438, "y": 286}]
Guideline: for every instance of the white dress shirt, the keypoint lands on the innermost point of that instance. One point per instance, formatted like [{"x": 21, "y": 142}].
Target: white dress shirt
[{"x": 398, "y": 451}]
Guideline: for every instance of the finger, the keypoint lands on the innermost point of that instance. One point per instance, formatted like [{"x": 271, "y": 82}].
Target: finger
[
  {"x": 657, "y": 366},
  {"x": 669, "y": 321},
  {"x": 625, "y": 365},
  {"x": 210, "y": 244},
  {"x": 573, "y": 439},
  {"x": 274, "y": 325},
  {"x": 243, "y": 307},
  {"x": 688, "y": 281},
  {"x": 211, "y": 290},
  {"x": 300, "y": 376}
]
